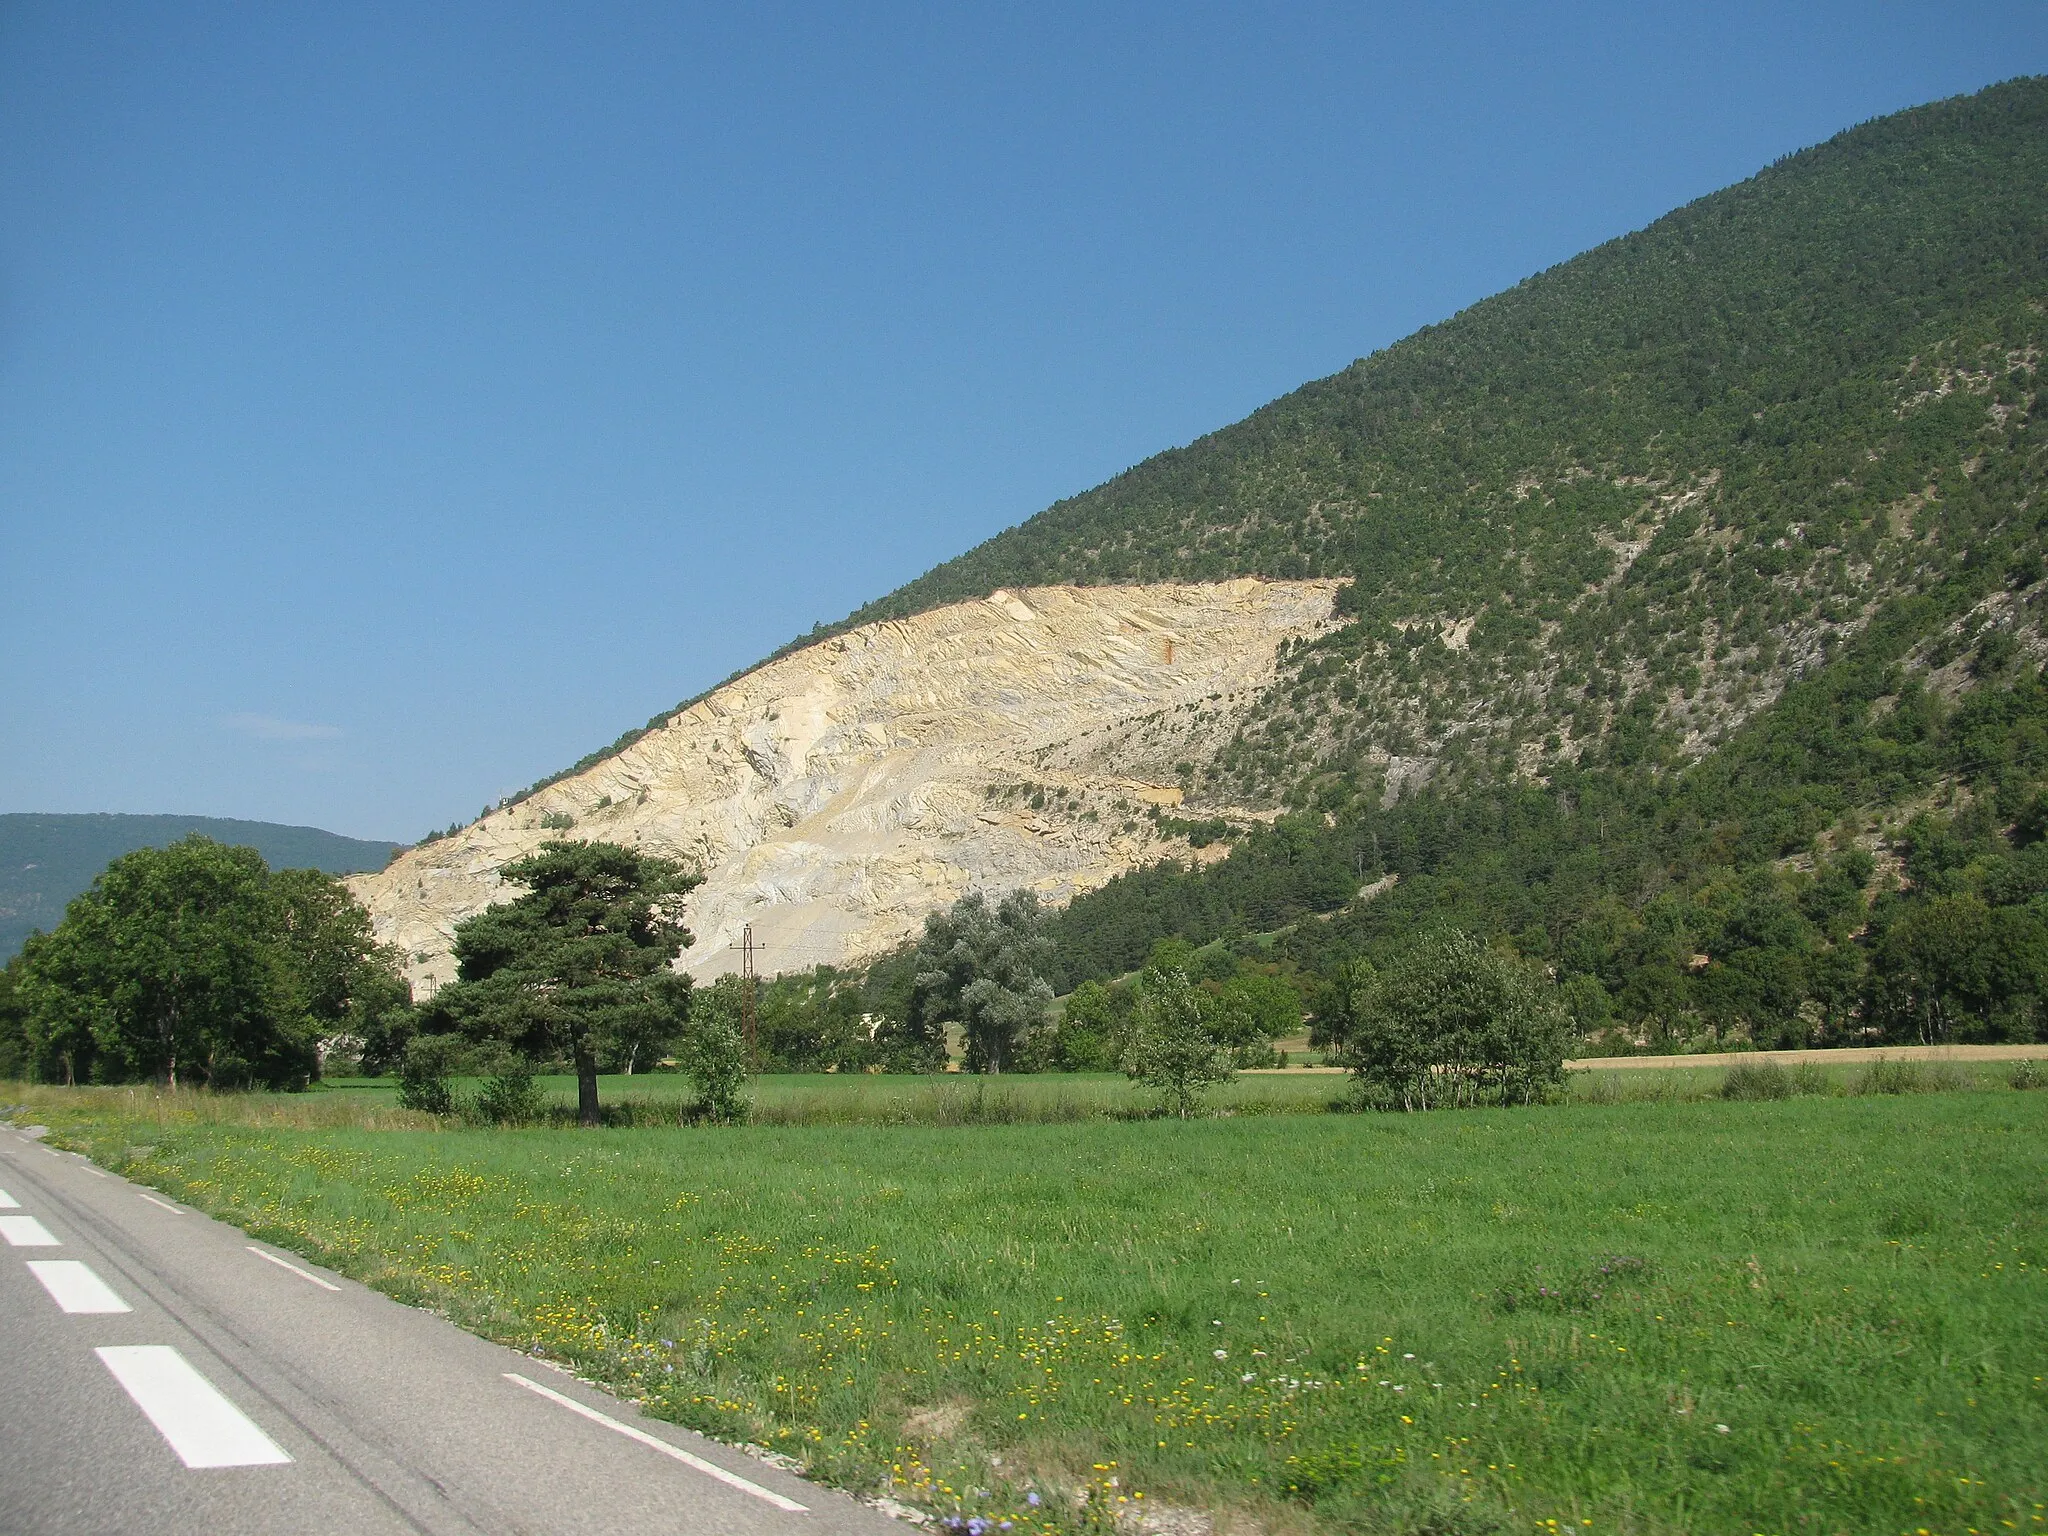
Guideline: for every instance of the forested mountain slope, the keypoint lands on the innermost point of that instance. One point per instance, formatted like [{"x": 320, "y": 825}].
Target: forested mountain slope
[
  {"x": 1690, "y": 634},
  {"x": 1696, "y": 597},
  {"x": 1678, "y": 467}
]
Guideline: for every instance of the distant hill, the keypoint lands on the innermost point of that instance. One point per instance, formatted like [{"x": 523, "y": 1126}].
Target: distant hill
[{"x": 47, "y": 860}]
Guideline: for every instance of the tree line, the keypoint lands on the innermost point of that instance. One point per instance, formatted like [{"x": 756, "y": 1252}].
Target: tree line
[{"x": 196, "y": 965}]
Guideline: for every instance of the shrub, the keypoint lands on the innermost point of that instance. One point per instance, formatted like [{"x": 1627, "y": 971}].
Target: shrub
[
  {"x": 423, "y": 1074},
  {"x": 2028, "y": 1074},
  {"x": 1808, "y": 1080},
  {"x": 1884, "y": 1076},
  {"x": 714, "y": 1052},
  {"x": 1757, "y": 1080},
  {"x": 1451, "y": 1021},
  {"x": 510, "y": 1096}
]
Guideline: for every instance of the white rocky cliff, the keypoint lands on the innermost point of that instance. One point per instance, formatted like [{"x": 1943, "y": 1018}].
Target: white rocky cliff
[{"x": 836, "y": 796}]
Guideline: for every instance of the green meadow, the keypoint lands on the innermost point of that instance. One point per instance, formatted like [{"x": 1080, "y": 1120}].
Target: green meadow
[
  {"x": 1669, "y": 1313},
  {"x": 648, "y": 1099}
]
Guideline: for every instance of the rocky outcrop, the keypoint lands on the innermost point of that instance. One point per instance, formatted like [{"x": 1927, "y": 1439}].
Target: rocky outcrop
[{"x": 837, "y": 795}]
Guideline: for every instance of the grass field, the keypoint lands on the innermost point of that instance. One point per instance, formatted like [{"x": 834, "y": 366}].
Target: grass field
[
  {"x": 940, "y": 1099},
  {"x": 1052, "y": 1098},
  {"x": 1818, "y": 1314}
]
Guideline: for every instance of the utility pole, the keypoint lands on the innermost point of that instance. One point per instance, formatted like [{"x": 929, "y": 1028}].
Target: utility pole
[{"x": 746, "y": 947}]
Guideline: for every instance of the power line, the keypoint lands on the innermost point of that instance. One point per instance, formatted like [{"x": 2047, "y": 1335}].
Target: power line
[{"x": 746, "y": 947}]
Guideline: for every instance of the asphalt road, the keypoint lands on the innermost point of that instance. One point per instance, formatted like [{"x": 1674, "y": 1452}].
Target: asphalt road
[{"x": 161, "y": 1372}]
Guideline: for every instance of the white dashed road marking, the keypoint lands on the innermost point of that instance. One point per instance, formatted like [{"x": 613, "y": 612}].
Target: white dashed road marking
[
  {"x": 708, "y": 1468},
  {"x": 26, "y": 1232},
  {"x": 303, "y": 1274},
  {"x": 8, "y": 1202},
  {"x": 74, "y": 1287},
  {"x": 202, "y": 1426},
  {"x": 152, "y": 1199}
]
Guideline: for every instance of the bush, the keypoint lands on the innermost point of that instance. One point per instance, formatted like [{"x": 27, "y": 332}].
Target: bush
[
  {"x": 714, "y": 1053},
  {"x": 1757, "y": 1080},
  {"x": 1886, "y": 1076},
  {"x": 509, "y": 1097},
  {"x": 1450, "y": 1021},
  {"x": 1944, "y": 1077},
  {"x": 1809, "y": 1081},
  {"x": 2028, "y": 1074},
  {"x": 423, "y": 1074}
]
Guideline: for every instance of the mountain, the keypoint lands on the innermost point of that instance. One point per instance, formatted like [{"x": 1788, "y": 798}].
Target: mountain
[
  {"x": 1702, "y": 565},
  {"x": 47, "y": 860},
  {"x": 833, "y": 797},
  {"x": 1679, "y": 465}
]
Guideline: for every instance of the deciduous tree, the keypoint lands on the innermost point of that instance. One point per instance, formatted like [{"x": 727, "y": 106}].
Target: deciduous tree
[
  {"x": 981, "y": 967},
  {"x": 1177, "y": 1048},
  {"x": 194, "y": 963}
]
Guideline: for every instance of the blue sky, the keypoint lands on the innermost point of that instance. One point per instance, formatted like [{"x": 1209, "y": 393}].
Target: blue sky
[{"x": 397, "y": 402}]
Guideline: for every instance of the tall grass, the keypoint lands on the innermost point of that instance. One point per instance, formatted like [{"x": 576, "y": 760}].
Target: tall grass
[{"x": 658, "y": 1101}]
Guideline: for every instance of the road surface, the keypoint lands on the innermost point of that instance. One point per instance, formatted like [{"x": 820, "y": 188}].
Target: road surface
[{"x": 164, "y": 1373}]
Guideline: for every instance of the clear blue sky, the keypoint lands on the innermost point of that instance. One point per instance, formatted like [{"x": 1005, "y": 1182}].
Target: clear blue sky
[{"x": 397, "y": 402}]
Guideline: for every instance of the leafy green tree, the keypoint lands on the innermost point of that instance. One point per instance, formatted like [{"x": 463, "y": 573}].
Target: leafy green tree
[
  {"x": 1255, "y": 1009},
  {"x": 816, "y": 1021},
  {"x": 713, "y": 1051},
  {"x": 341, "y": 984},
  {"x": 1091, "y": 1033},
  {"x": 1339, "y": 1002},
  {"x": 1954, "y": 968},
  {"x": 1450, "y": 1020},
  {"x": 173, "y": 967},
  {"x": 981, "y": 966},
  {"x": 14, "y": 1046},
  {"x": 577, "y": 963},
  {"x": 1176, "y": 1048}
]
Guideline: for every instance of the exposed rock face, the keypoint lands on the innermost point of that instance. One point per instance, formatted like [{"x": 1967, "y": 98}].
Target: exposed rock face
[{"x": 835, "y": 797}]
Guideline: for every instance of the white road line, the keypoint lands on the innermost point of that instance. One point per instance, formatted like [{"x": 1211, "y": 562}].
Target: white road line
[
  {"x": 8, "y": 1202},
  {"x": 202, "y": 1426},
  {"x": 74, "y": 1287},
  {"x": 26, "y": 1232},
  {"x": 708, "y": 1468},
  {"x": 303, "y": 1274},
  {"x": 152, "y": 1199}
]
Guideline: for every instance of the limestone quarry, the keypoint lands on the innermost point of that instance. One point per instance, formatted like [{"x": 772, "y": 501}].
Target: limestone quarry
[{"x": 835, "y": 796}]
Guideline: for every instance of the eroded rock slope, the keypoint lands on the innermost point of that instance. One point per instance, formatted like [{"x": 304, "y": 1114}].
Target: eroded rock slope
[{"x": 837, "y": 795}]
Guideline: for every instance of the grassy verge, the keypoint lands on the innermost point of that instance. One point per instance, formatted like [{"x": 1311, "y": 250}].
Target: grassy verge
[{"x": 1819, "y": 1314}]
